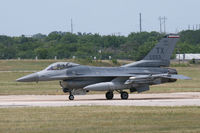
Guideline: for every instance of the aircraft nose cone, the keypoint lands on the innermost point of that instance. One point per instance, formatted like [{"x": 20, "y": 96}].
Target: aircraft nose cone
[{"x": 29, "y": 78}]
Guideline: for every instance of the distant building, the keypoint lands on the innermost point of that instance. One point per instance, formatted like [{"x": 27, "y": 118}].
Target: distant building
[{"x": 187, "y": 56}]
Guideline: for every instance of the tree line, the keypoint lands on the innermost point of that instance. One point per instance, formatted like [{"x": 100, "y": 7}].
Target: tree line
[{"x": 87, "y": 46}]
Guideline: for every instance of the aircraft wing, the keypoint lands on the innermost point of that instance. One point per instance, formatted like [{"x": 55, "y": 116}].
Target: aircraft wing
[
  {"x": 140, "y": 78},
  {"x": 100, "y": 74}
]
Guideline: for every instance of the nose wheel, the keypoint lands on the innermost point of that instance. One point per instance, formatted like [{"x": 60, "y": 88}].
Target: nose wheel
[{"x": 71, "y": 97}]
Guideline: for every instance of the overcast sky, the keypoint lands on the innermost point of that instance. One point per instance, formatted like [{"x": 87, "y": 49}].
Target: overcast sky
[{"x": 29, "y": 17}]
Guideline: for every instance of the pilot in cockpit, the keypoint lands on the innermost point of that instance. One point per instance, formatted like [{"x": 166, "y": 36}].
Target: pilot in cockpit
[{"x": 61, "y": 66}]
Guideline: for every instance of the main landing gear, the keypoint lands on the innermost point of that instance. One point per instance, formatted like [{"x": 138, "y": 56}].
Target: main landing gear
[
  {"x": 109, "y": 95},
  {"x": 124, "y": 95}
]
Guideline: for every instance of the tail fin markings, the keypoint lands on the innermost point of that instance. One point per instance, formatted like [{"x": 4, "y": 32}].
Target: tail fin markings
[{"x": 160, "y": 55}]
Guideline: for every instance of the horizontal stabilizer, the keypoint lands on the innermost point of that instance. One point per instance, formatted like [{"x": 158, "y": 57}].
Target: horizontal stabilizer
[{"x": 174, "y": 76}]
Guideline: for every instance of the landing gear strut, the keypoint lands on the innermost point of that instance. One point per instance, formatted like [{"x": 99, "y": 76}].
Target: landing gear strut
[{"x": 109, "y": 95}]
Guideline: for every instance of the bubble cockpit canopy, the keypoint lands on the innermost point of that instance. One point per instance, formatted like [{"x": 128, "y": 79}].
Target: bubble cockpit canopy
[{"x": 61, "y": 66}]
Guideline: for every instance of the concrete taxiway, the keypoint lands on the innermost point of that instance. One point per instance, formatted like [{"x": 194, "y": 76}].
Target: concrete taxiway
[{"x": 162, "y": 99}]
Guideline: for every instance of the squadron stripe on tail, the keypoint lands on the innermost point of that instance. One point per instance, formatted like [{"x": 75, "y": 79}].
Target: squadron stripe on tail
[{"x": 173, "y": 36}]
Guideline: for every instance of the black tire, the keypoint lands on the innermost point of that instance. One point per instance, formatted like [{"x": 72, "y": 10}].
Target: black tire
[
  {"x": 71, "y": 97},
  {"x": 109, "y": 95},
  {"x": 124, "y": 95}
]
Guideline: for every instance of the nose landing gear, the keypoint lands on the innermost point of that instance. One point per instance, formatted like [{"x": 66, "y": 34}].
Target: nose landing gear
[
  {"x": 71, "y": 97},
  {"x": 66, "y": 90}
]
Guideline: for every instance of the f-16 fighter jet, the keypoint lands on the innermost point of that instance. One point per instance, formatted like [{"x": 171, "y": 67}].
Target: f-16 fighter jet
[{"x": 137, "y": 77}]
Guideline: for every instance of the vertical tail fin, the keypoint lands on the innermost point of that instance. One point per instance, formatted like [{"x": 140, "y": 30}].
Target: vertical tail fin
[
  {"x": 164, "y": 49},
  {"x": 160, "y": 54}
]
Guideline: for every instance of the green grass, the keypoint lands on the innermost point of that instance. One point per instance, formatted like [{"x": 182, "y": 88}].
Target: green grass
[
  {"x": 9, "y": 86},
  {"x": 101, "y": 119}
]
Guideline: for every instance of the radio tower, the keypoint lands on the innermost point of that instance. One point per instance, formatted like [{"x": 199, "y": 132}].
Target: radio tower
[
  {"x": 71, "y": 25},
  {"x": 140, "y": 22},
  {"x": 162, "y": 21}
]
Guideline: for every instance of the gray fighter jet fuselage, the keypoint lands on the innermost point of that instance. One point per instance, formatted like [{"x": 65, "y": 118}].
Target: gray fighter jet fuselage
[{"x": 137, "y": 76}]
